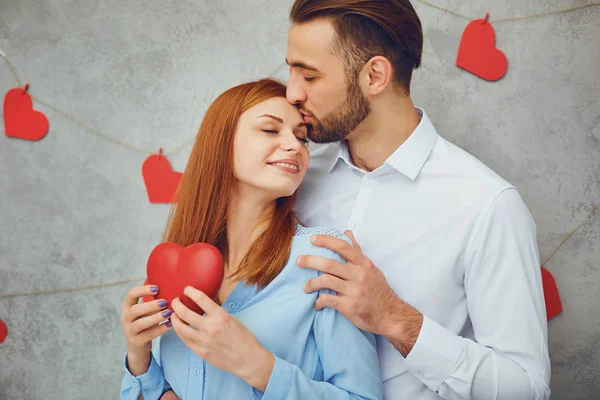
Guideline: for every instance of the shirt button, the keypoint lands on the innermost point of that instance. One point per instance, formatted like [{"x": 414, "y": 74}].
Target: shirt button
[
  {"x": 136, "y": 385},
  {"x": 369, "y": 182},
  {"x": 196, "y": 371},
  {"x": 354, "y": 225},
  {"x": 231, "y": 305}
]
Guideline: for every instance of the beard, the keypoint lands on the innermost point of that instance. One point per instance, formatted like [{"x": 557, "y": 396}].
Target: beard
[{"x": 343, "y": 119}]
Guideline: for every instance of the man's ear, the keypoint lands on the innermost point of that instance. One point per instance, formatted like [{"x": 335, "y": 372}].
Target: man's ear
[{"x": 379, "y": 73}]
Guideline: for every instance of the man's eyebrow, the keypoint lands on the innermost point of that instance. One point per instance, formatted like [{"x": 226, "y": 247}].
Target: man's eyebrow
[
  {"x": 300, "y": 125},
  {"x": 303, "y": 65}
]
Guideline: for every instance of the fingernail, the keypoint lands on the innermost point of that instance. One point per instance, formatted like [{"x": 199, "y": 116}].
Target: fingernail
[
  {"x": 163, "y": 303},
  {"x": 167, "y": 313},
  {"x": 299, "y": 260},
  {"x": 169, "y": 324},
  {"x": 154, "y": 289},
  {"x": 313, "y": 239}
]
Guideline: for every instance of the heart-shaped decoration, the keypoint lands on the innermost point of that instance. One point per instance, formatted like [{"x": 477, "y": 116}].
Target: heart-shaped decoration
[
  {"x": 477, "y": 52},
  {"x": 20, "y": 119},
  {"x": 172, "y": 267},
  {"x": 3, "y": 331},
  {"x": 160, "y": 179},
  {"x": 551, "y": 295}
]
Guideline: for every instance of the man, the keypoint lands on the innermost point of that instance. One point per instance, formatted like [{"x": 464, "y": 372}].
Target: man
[{"x": 447, "y": 273}]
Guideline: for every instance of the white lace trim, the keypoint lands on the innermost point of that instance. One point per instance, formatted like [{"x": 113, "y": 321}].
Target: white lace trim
[{"x": 302, "y": 230}]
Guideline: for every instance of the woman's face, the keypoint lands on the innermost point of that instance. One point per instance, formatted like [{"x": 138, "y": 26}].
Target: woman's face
[{"x": 271, "y": 149}]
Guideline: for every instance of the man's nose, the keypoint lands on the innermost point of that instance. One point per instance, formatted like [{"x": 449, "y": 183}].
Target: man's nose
[{"x": 294, "y": 93}]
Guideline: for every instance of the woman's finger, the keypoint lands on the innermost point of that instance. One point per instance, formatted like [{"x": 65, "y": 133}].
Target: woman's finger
[
  {"x": 144, "y": 309},
  {"x": 154, "y": 332},
  {"x": 144, "y": 323},
  {"x": 133, "y": 295}
]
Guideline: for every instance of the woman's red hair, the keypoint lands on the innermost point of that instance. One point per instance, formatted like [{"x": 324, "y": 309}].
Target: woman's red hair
[{"x": 204, "y": 192}]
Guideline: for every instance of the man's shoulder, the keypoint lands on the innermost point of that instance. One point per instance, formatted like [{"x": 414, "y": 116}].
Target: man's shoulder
[{"x": 465, "y": 169}]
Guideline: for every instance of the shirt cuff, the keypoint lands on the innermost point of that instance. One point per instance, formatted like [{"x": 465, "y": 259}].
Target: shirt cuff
[
  {"x": 435, "y": 354},
  {"x": 279, "y": 382},
  {"x": 150, "y": 380}
]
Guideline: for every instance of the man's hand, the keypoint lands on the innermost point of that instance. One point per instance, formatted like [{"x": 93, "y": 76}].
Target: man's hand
[{"x": 362, "y": 292}]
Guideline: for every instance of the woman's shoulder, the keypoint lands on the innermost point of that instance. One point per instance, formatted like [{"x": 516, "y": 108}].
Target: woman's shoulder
[
  {"x": 313, "y": 230},
  {"x": 304, "y": 233}
]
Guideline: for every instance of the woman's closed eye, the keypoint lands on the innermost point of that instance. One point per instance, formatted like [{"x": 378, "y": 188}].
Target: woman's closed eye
[{"x": 275, "y": 131}]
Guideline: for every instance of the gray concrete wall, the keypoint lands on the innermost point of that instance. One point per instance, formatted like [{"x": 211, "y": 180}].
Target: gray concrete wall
[{"x": 73, "y": 208}]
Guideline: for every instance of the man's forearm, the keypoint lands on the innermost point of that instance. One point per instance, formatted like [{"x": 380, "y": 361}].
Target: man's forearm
[{"x": 404, "y": 326}]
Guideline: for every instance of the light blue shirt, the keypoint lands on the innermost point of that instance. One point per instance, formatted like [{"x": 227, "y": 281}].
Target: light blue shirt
[{"x": 318, "y": 354}]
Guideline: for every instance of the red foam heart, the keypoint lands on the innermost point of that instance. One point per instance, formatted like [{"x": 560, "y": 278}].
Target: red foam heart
[
  {"x": 477, "y": 53},
  {"x": 20, "y": 119},
  {"x": 551, "y": 295},
  {"x": 172, "y": 267},
  {"x": 160, "y": 179}
]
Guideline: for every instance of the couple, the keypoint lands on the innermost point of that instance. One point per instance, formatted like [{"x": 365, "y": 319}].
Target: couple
[{"x": 433, "y": 292}]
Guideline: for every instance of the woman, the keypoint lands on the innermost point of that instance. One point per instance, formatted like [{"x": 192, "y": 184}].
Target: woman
[{"x": 262, "y": 337}]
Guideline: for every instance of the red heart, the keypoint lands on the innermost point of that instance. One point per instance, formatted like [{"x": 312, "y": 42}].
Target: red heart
[
  {"x": 477, "y": 52},
  {"x": 551, "y": 295},
  {"x": 160, "y": 179},
  {"x": 20, "y": 119},
  {"x": 172, "y": 267},
  {"x": 3, "y": 331}
]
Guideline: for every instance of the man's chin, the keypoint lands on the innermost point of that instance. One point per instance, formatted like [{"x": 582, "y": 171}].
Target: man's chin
[{"x": 324, "y": 138}]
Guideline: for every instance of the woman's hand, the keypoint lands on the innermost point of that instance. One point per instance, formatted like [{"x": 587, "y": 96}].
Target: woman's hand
[
  {"x": 222, "y": 340},
  {"x": 140, "y": 324}
]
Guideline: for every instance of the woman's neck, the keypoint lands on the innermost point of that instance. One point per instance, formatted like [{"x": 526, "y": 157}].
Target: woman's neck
[{"x": 244, "y": 213}]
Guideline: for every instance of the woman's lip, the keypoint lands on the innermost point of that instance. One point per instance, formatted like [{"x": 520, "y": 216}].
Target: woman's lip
[
  {"x": 306, "y": 117},
  {"x": 286, "y": 169}
]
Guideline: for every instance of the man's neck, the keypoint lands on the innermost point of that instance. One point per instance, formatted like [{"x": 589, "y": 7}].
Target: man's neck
[{"x": 377, "y": 137}]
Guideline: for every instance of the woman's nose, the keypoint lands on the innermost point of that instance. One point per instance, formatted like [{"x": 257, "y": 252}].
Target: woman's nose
[{"x": 291, "y": 143}]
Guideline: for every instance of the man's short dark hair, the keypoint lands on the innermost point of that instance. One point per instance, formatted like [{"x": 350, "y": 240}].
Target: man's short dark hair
[{"x": 369, "y": 28}]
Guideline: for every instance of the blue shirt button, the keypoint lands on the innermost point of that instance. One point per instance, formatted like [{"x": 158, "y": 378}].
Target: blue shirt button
[
  {"x": 196, "y": 371},
  {"x": 231, "y": 305}
]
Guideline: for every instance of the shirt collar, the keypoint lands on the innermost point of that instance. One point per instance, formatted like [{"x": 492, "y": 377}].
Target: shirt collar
[{"x": 409, "y": 157}]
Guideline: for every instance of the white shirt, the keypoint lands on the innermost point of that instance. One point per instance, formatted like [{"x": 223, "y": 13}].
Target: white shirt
[{"x": 458, "y": 243}]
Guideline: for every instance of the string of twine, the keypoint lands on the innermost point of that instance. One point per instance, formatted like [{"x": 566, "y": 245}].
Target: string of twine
[
  {"x": 95, "y": 131},
  {"x": 495, "y": 21},
  {"x": 104, "y": 285}
]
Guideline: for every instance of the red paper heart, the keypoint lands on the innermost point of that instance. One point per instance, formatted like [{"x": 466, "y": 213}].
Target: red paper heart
[
  {"x": 160, "y": 179},
  {"x": 477, "y": 52},
  {"x": 20, "y": 119},
  {"x": 551, "y": 295},
  {"x": 172, "y": 267},
  {"x": 3, "y": 331}
]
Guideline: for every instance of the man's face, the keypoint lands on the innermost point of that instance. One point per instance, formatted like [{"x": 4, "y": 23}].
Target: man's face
[{"x": 318, "y": 85}]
